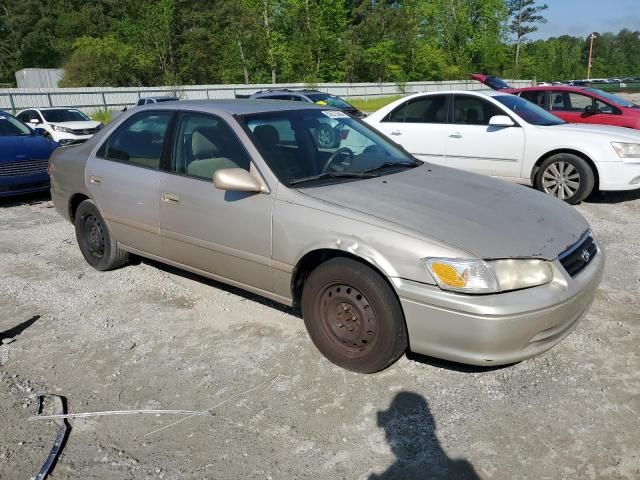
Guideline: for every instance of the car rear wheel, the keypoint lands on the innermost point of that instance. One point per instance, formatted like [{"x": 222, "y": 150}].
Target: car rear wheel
[
  {"x": 98, "y": 247},
  {"x": 567, "y": 177},
  {"x": 353, "y": 316}
]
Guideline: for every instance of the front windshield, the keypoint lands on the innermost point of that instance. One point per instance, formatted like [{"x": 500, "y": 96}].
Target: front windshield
[
  {"x": 302, "y": 145},
  {"x": 12, "y": 127},
  {"x": 64, "y": 115},
  {"x": 331, "y": 100},
  {"x": 621, "y": 102},
  {"x": 529, "y": 112}
]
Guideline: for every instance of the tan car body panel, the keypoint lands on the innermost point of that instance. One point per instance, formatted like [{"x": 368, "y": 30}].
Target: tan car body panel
[{"x": 255, "y": 241}]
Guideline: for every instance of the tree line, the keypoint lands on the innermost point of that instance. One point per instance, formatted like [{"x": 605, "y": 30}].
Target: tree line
[{"x": 182, "y": 42}]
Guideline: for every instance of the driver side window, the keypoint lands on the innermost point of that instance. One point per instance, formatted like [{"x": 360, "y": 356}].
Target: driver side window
[{"x": 206, "y": 144}]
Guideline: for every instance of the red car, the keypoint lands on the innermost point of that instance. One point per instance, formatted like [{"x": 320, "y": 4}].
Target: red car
[{"x": 574, "y": 104}]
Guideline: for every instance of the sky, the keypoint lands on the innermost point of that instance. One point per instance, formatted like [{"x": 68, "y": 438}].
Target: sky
[{"x": 581, "y": 17}]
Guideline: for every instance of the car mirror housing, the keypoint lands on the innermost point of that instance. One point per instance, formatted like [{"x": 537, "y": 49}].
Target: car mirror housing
[
  {"x": 501, "y": 121},
  {"x": 40, "y": 131},
  {"x": 236, "y": 180},
  {"x": 34, "y": 121}
]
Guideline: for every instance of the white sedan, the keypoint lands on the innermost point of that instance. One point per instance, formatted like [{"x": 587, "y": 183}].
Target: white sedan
[
  {"x": 67, "y": 126},
  {"x": 505, "y": 136}
]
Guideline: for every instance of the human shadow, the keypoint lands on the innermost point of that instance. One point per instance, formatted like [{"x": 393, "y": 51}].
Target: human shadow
[
  {"x": 18, "y": 329},
  {"x": 411, "y": 433}
]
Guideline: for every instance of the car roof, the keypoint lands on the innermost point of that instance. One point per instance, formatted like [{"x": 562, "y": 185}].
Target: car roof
[
  {"x": 567, "y": 88},
  {"x": 236, "y": 106},
  {"x": 487, "y": 93},
  {"x": 158, "y": 98},
  {"x": 51, "y": 108}
]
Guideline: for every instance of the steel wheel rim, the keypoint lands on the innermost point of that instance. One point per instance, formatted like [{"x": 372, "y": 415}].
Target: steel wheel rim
[
  {"x": 348, "y": 319},
  {"x": 324, "y": 137},
  {"x": 561, "y": 179},
  {"x": 94, "y": 236}
]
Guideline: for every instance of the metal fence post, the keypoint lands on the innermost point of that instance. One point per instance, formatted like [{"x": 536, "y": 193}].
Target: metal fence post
[
  {"x": 104, "y": 101},
  {"x": 49, "y": 97}
]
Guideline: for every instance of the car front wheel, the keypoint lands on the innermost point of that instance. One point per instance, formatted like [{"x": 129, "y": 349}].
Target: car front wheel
[
  {"x": 353, "y": 316},
  {"x": 567, "y": 177},
  {"x": 98, "y": 247}
]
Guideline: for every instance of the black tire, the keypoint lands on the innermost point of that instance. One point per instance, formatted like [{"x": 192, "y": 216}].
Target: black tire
[
  {"x": 567, "y": 177},
  {"x": 96, "y": 243},
  {"x": 353, "y": 316}
]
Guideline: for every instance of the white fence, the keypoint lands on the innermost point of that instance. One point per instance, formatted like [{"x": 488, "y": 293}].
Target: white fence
[{"x": 91, "y": 99}]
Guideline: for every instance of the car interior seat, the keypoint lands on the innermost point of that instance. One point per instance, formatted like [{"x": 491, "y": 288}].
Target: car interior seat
[
  {"x": 283, "y": 161},
  {"x": 207, "y": 154}
]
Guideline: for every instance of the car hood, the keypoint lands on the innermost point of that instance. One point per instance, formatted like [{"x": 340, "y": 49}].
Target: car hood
[
  {"x": 611, "y": 133},
  {"x": 484, "y": 217},
  {"x": 28, "y": 147},
  {"x": 77, "y": 125}
]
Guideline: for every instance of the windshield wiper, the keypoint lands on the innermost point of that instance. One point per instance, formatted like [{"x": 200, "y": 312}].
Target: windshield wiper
[
  {"x": 386, "y": 165},
  {"x": 324, "y": 175}
]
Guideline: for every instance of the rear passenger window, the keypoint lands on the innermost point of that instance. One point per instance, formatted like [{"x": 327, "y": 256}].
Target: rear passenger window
[
  {"x": 139, "y": 141},
  {"x": 205, "y": 144},
  {"x": 432, "y": 109}
]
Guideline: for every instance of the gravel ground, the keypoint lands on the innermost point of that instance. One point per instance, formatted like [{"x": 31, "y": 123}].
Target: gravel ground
[{"x": 148, "y": 336}]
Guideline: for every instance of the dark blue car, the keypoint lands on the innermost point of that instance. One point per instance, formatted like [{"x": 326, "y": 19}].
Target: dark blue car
[{"x": 24, "y": 155}]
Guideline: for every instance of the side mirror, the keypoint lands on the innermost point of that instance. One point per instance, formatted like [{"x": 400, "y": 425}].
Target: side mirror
[
  {"x": 236, "y": 180},
  {"x": 34, "y": 121},
  {"x": 40, "y": 131},
  {"x": 591, "y": 110},
  {"x": 501, "y": 121}
]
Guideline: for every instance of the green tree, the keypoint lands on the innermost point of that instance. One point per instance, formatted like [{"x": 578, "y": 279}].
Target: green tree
[{"x": 525, "y": 14}]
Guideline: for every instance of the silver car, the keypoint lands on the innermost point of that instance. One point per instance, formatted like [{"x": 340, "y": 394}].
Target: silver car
[{"x": 381, "y": 251}]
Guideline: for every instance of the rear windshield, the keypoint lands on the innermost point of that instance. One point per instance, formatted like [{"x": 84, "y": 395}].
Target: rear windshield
[
  {"x": 12, "y": 127},
  {"x": 64, "y": 115},
  {"x": 166, "y": 99},
  {"x": 496, "y": 83},
  {"x": 331, "y": 100}
]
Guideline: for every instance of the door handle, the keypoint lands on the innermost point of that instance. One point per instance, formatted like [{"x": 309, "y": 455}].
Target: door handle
[
  {"x": 170, "y": 198},
  {"x": 94, "y": 179},
  {"x": 455, "y": 135},
  {"x": 396, "y": 132}
]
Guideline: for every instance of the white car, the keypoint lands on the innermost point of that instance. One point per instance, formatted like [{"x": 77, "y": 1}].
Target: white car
[
  {"x": 505, "y": 136},
  {"x": 66, "y": 126}
]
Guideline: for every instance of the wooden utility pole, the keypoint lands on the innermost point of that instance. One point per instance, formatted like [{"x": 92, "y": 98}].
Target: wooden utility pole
[{"x": 592, "y": 37}]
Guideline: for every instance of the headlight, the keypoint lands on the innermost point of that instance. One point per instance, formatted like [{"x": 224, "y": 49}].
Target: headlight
[
  {"x": 627, "y": 150},
  {"x": 480, "y": 276},
  {"x": 58, "y": 128}
]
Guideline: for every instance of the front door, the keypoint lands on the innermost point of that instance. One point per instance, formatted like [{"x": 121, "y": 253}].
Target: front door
[
  {"x": 475, "y": 146},
  {"x": 226, "y": 234},
  {"x": 420, "y": 126},
  {"x": 123, "y": 179}
]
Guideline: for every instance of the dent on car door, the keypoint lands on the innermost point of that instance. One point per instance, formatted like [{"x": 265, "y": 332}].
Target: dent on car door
[
  {"x": 474, "y": 145},
  {"x": 224, "y": 233},
  {"x": 123, "y": 178},
  {"x": 420, "y": 126}
]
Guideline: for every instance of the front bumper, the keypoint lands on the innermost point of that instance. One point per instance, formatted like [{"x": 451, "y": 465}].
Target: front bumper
[
  {"x": 65, "y": 139},
  {"x": 497, "y": 329},
  {"x": 21, "y": 184},
  {"x": 621, "y": 175}
]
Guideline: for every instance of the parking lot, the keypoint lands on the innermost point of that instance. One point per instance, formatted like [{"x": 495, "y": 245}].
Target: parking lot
[{"x": 150, "y": 337}]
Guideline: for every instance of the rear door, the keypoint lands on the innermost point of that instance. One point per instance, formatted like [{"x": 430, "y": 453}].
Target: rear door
[
  {"x": 420, "y": 126},
  {"x": 124, "y": 177},
  {"x": 475, "y": 146},
  {"x": 227, "y": 234}
]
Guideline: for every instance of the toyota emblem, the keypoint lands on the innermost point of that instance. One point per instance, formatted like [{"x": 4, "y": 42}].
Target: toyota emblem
[{"x": 585, "y": 256}]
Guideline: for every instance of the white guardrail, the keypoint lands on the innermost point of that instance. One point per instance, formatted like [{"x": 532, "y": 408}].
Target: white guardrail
[{"x": 91, "y": 99}]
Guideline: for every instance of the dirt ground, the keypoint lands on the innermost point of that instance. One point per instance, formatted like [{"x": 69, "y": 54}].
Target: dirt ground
[{"x": 150, "y": 337}]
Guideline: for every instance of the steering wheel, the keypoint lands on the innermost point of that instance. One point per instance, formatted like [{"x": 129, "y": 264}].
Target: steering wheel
[{"x": 336, "y": 154}]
